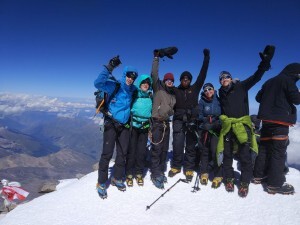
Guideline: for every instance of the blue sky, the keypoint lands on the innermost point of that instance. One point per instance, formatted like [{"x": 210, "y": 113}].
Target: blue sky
[{"x": 57, "y": 48}]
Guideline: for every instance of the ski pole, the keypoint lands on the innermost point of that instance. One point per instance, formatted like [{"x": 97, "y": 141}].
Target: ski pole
[
  {"x": 196, "y": 185},
  {"x": 162, "y": 195}
]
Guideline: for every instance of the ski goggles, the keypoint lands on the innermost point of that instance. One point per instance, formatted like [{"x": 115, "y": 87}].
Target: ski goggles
[
  {"x": 169, "y": 81},
  {"x": 132, "y": 75}
]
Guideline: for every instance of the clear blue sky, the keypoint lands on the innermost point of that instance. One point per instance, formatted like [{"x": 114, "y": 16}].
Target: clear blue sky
[{"x": 57, "y": 47}]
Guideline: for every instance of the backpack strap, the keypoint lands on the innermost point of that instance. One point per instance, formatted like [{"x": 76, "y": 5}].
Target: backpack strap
[{"x": 114, "y": 92}]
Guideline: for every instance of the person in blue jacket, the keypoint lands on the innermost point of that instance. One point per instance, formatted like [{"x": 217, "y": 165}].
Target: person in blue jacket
[
  {"x": 116, "y": 123},
  {"x": 210, "y": 110},
  {"x": 140, "y": 114}
]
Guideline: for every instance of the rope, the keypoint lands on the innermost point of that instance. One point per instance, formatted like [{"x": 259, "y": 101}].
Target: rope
[{"x": 150, "y": 135}]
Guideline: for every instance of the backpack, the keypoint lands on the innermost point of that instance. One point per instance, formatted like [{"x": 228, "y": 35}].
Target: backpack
[{"x": 102, "y": 99}]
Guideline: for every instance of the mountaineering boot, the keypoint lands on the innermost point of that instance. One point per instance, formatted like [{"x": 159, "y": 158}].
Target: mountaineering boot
[
  {"x": 118, "y": 183},
  {"x": 101, "y": 189},
  {"x": 216, "y": 182},
  {"x": 229, "y": 184},
  {"x": 139, "y": 179},
  {"x": 285, "y": 189},
  {"x": 243, "y": 189},
  {"x": 259, "y": 180},
  {"x": 129, "y": 180},
  {"x": 158, "y": 181},
  {"x": 173, "y": 172},
  {"x": 204, "y": 178},
  {"x": 189, "y": 175}
]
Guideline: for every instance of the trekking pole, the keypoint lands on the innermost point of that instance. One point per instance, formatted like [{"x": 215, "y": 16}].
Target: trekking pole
[
  {"x": 162, "y": 195},
  {"x": 196, "y": 185}
]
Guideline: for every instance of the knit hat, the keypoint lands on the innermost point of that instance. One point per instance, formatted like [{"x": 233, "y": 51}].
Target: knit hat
[
  {"x": 207, "y": 85},
  {"x": 168, "y": 76},
  {"x": 186, "y": 74},
  {"x": 224, "y": 73}
]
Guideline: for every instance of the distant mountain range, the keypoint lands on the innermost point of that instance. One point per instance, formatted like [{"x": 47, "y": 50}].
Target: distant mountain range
[{"x": 39, "y": 144}]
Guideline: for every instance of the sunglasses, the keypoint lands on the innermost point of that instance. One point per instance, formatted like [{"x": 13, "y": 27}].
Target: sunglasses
[
  {"x": 225, "y": 77},
  {"x": 169, "y": 81},
  {"x": 132, "y": 75},
  {"x": 208, "y": 89}
]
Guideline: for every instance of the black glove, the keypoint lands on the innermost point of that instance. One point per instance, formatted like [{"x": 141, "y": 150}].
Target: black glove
[
  {"x": 206, "y": 52},
  {"x": 211, "y": 126},
  {"x": 192, "y": 126},
  {"x": 115, "y": 61},
  {"x": 266, "y": 57},
  {"x": 169, "y": 52}
]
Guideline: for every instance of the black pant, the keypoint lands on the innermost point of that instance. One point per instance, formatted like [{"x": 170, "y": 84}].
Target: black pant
[
  {"x": 183, "y": 135},
  {"x": 159, "y": 147},
  {"x": 245, "y": 157},
  {"x": 114, "y": 134},
  {"x": 208, "y": 149},
  {"x": 137, "y": 151},
  {"x": 271, "y": 157}
]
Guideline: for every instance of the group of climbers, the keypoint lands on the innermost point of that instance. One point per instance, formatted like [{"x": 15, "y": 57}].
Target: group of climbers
[{"x": 207, "y": 134}]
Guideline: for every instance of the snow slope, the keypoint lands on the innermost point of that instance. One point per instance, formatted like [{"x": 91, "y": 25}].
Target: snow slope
[{"x": 76, "y": 202}]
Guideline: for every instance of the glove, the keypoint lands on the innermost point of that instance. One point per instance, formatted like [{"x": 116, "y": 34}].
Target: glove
[
  {"x": 266, "y": 57},
  {"x": 169, "y": 52},
  {"x": 115, "y": 62},
  {"x": 268, "y": 53},
  {"x": 211, "y": 126},
  {"x": 192, "y": 126},
  {"x": 206, "y": 52}
]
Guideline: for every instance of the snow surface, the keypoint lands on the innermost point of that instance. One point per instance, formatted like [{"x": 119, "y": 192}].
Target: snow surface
[{"x": 77, "y": 202}]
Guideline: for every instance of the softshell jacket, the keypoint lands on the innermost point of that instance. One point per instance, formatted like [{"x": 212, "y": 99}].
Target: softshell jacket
[
  {"x": 208, "y": 107},
  {"x": 142, "y": 103},
  {"x": 187, "y": 98},
  {"x": 163, "y": 98},
  {"x": 119, "y": 106},
  {"x": 278, "y": 96},
  {"x": 237, "y": 126},
  {"x": 234, "y": 101}
]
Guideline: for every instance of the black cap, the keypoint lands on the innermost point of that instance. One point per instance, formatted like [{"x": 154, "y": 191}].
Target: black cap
[{"x": 208, "y": 85}]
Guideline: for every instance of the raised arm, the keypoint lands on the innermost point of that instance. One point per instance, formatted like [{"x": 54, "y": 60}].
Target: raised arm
[
  {"x": 265, "y": 64},
  {"x": 203, "y": 72},
  {"x": 154, "y": 73}
]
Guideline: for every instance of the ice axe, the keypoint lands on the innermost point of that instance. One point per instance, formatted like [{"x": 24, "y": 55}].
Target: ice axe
[{"x": 162, "y": 195}]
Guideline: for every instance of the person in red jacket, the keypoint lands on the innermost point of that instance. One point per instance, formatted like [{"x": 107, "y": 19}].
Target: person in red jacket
[{"x": 277, "y": 98}]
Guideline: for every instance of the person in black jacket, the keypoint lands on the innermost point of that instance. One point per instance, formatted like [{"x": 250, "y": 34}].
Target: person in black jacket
[
  {"x": 186, "y": 113},
  {"x": 235, "y": 107},
  {"x": 277, "y": 112}
]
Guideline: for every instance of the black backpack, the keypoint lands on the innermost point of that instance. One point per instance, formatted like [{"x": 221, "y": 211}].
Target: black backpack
[{"x": 102, "y": 99}]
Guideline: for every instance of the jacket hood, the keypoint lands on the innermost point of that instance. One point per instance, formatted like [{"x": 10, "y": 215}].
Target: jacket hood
[
  {"x": 292, "y": 69},
  {"x": 141, "y": 78}
]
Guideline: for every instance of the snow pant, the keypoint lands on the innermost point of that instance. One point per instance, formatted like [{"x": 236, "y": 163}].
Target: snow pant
[
  {"x": 115, "y": 134},
  {"x": 182, "y": 135},
  {"x": 245, "y": 157},
  {"x": 159, "y": 147},
  {"x": 271, "y": 157},
  {"x": 137, "y": 151},
  {"x": 208, "y": 149}
]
